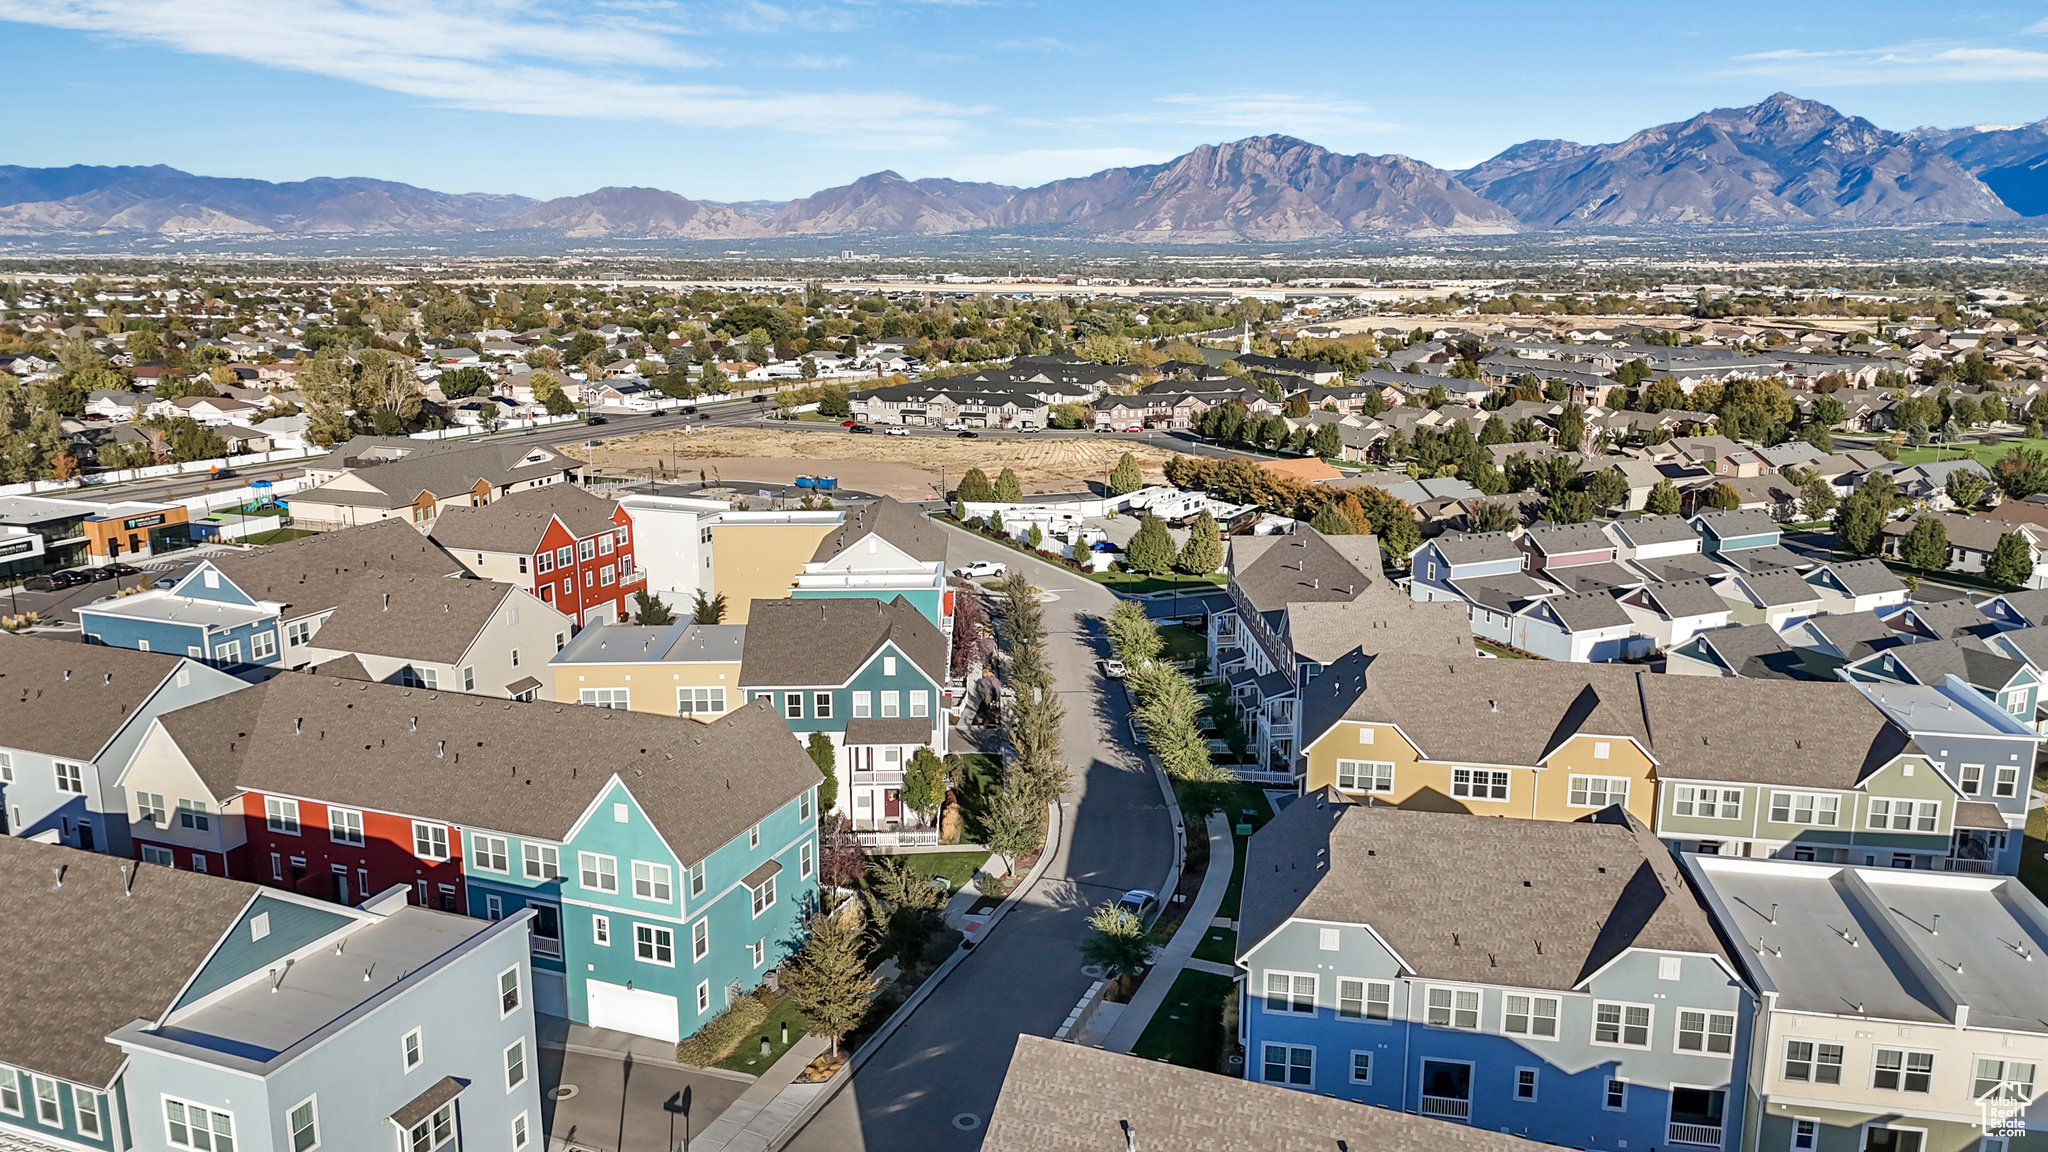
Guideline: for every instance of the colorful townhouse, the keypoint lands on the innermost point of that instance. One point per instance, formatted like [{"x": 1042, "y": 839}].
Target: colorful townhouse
[
  {"x": 690, "y": 545},
  {"x": 1900, "y": 1011},
  {"x": 570, "y": 548},
  {"x": 1576, "y": 557},
  {"x": 1558, "y": 981},
  {"x": 74, "y": 716},
  {"x": 1302, "y": 601},
  {"x": 373, "y": 478},
  {"x": 867, "y": 675},
  {"x": 680, "y": 669},
  {"x": 1660, "y": 547},
  {"x": 252, "y": 1020},
  {"x": 1980, "y": 748},
  {"x": 2029, "y": 646},
  {"x": 1859, "y": 586},
  {"x": 1484, "y": 573},
  {"x": 1745, "y": 540},
  {"x": 1671, "y": 612},
  {"x": 665, "y": 882},
  {"x": 882, "y": 550}
]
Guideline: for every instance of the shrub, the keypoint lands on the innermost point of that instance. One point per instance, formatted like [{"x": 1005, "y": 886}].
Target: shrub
[{"x": 723, "y": 1033}]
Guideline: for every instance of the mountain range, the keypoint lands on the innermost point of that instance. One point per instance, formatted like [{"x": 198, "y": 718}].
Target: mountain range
[{"x": 1782, "y": 162}]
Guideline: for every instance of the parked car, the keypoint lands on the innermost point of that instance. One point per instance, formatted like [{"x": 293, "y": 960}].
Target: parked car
[
  {"x": 1114, "y": 669},
  {"x": 690, "y": 411},
  {"x": 848, "y": 423},
  {"x": 122, "y": 569},
  {"x": 979, "y": 568},
  {"x": 596, "y": 420},
  {"x": 101, "y": 574},
  {"x": 966, "y": 436},
  {"x": 53, "y": 582},
  {"x": 1139, "y": 902},
  {"x": 954, "y": 426},
  {"x": 1134, "y": 428},
  {"x": 860, "y": 428},
  {"x": 896, "y": 430}
]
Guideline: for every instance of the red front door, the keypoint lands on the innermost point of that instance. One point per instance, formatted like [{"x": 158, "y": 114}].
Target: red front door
[{"x": 890, "y": 806}]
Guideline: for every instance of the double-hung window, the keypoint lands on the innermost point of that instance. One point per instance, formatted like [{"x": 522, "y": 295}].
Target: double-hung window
[
  {"x": 1479, "y": 783},
  {"x": 654, "y": 945},
  {"x": 2006, "y": 1080},
  {"x": 188, "y": 1125},
  {"x": 1290, "y": 992},
  {"x": 1596, "y": 791},
  {"x": 508, "y": 992},
  {"x": 863, "y": 705},
  {"x": 436, "y": 1131},
  {"x": 193, "y": 814},
  {"x": 1365, "y": 776},
  {"x": 700, "y": 939},
  {"x": 653, "y": 882},
  {"x": 71, "y": 778},
  {"x": 1623, "y": 1025},
  {"x": 920, "y": 702},
  {"x": 430, "y": 841},
  {"x": 1364, "y": 999},
  {"x": 345, "y": 826},
  {"x": 1905, "y": 815},
  {"x": 2006, "y": 781},
  {"x": 48, "y": 1110},
  {"x": 700, "y": 701},
  {"x": 10, "y": 1091},
  {"x": 617, "y": 698},
  {"x": 1453, "y": 1007},
  {"x": 302, "y": 1124},
  {"x": 764, "y": 896},
  {"x": 804, "y": 861},
  {"x": 263, "y": 645},
  {"x": 892, "y": 704},
  {"x": 821, "y": 705},
  {"x": 1805, "y": 808},
  {"x": 597, "y": 873},
  {"x": 1710, "y": 1032},
  {"x": 586, "y": 549},
  {"x": 488, "y": 853},
  {"x": 543, "y": 861},
  {"x": 149, "y": 807},
  {"x": 1812, "y": 1062},
  {"x": 1711, "y": 803},
  {"x": 280, "y": 815},
  {"x": 1899, "y": 1070},
  {"x": 1289, "y": 1064},
  {"x": 515, "y": 1064},
  {"x": 793, "y": 705},
  {"x": 1529, "y": 1015}
]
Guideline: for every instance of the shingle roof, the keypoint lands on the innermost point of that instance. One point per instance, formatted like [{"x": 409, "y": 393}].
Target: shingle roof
[
  {"x": 1531, "y": 903},
  {"x": 1586, "y": 611},
  {"x": 1965, "y": 656},
  {"x": 422, "y": 618},
  {"x": 515, "y": 523},
  {"x": 1641, "y": 530},
  {"x": 1593, "y": 577},
  {"x": 311, "y": 574},
  {"x": 1737, "y": 522},
  {"x": 1380, "y": 620},
  {"x": 498, "y": 764},
  {"x": 1508, "y": 592},
  {"x": 62, "y": 987},
  {"x": 1762, "y": 559},
  {"x": 1773, "y": 589},
  {"x": 1476, "y": 547},
  {"x": 907, "y": 528},
  {"x": 1756, "y": 651},
  {"x": 895, "y": 730},
  {"x": 1856, "y": 634},
  {"x": 64, "y": 698},
  {"x": 1864, "y": 577},
  {"x": 1557, "y": 539},
  {"x": 826, "y": 641},
  {"x": 1066, "y": 1098},
  {"x": 1676, "y": 598},
  {"x": 1308, "y": 566},
  {"x": 400, "y": 469}
]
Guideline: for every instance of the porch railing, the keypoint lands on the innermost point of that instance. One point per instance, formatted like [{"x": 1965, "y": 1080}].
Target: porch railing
[
  {"x": 1706, "y": 1135},
  {"x": 1447, "y": 1107}
]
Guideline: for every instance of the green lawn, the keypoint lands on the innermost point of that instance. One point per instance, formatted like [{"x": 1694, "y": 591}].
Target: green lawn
[
  {"x": 957, "y": 867},
  {"x": 1188, "y": 1028},
  {"x": 278, "y": 535},
  {"x": 747, "y": 1057},
  {"x": 1241, "y": 804},
  {"x": 1135, "y": 582},
  {"x": 1219, "y": 945},
  {"x": 982, "y": 778},
  {"x": 1497, "y": 650},
  {"x": 1182, "y": 643},
  {"x": 1987, "y": 454}
]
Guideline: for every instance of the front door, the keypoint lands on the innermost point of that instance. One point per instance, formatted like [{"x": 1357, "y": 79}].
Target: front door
[
  {"x": 341, "y": 883},
  {"x": 85, "y": 835},
  {"x": 891, "y": 807}
]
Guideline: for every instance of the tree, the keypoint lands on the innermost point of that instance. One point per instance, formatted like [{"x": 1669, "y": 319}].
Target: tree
[
  {"x": 1116, "y": 942},
  {"x": 1926, "y": 545},
  {"x": 1816, "y": 497},
  {"x": 1133, "y": 637},
  {"x": 1012, "y": 826},
  {"x": 1818, "y": 436},
  {"x": 1494, "y": 516},
  {"x": 1331, "y": 521},
  {"x": 463, "y": 383},
  {"x": 650, "y": 612},
  {"x": 828, "y": 977},
  {"x": 1327, "y": 442},
  {"x": 1663, "y": 499},
  {"x": 1008, "y": 489},
  {"x": 826, "y": 758},
  {"x": 2011, "y": 563},
  {"x": 1859, "y": 520},
  {"x": 1608, "y": 488},
  {"x": 1571, "y": 428},
  {"x": 2021, "y": 472},
  {"x": 548, "y": 391},
  {"x": 1724, "y": 497},
  {"x": 974, "y": 488},
  {"x": 1965, "y": 488},
  {"x": 708, "y": 609},
  {"x": 1151, "y": 549},
  {"x": 1125, "y": 476},
  {"x": 832, "y": 402},
  {"x": 1203, "y": 553},
  {"x": 924, "y": 783},
  {"x": 1034, "y": 537}
]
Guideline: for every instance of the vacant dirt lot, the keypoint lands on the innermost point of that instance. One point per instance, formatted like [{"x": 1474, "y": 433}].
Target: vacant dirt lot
[{"x": 903, "y": 466}]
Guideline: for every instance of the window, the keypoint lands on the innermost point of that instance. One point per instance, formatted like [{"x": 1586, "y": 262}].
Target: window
[
  {"x": 604, "y": 697},
  {"x": 263, "y": 645},
  {"x": 703, "y": 996},
  {"x": 542, "y": 862},
  {"x": 1287, "y": 1064},
  {"x": 149, "y": 806},
  {"x": 345, "y": 826},
  {"x": 229, "y": 652},
  {"x": 757, "y": 952},
  {"x": 193, "y": 814},
  {"x": 892, "y": 704},
  {"x": 1712, "y": 1032},
  {"x": 607, "y": 575},
  {"x": 280, "y": 815},
  {"x": 754, "y": 836},
  {"x": 151, "y": 854},
  {"x": 413, "y": 1048},
  {"x": 1447, "y": 1089},
  {"x": 487, "y": 853},
  {"x": 654, "y": 945},
  {"x": 1711, "y": 803},
  {"x": 1596, "y": 791},
  {"x": 515, "y": 1064},
  {"x": 413, "y": 677},
  {"x": 601, "y": 930},
  {"x": 863, "y": 705},
  {"x": 1361, "y": 1067},
  {"x": 303, "y": 1123},
  {"x": 519, "y": 1132},
  {"x": 697, "y": 880},
  {"x": 508, "y": 992},
  {"x": 71, "y": 778},
  {"x": 1881, "y": 1138},
  {"x": 888, "y": 665},
  {"x": 1525, "y": 1083},
  {"x": 430, "y": 841},
  {"x": 920, "y": 702},
  {"x": 700, "y": 939},
  {"x": 821, "y": 705},
  {"x": 1287, "y": 992},
  {"x": 1365, "y": 776},
  {"x": 1904, "y": 815},
  {"x": 1529, "y": 1016},
  {"x": 793, "y": 705},
  {"x": 10, "y": 1092},
  {"x": 543, "y": 563},
  {"x": 565, "y": 556},
  {"x": 700, "y": 701},
  {"x": 296, "y": 635},
  {"x": 1479, "y": 783},
  {"x": 469, "y": 675},
  {"x": 1627, "y": 1025},
  {"x": 803, "y": 808},
  {"x": 494, "y": 907},
  {"x": 2007, "y": 781},
  {"x": 1805, "y": 808},
  {"x": 597, "y": 873},
  {"x": 652, "y": 882},
  {"x": 434, "y": 1131},
  {"x": 586, "y": 549},
  {"x": 1670, "y": 968},
  {"x": 1901, "y": 1071},
  {"x": 1364, "y": 999},
  {"x": 2009, "y": 1080},
  {"x": 803, "y": 861},
  {"x": 191, "y": 1126},
  {"x": 1453, "y": 1008},
  {"x": 1970, "y": 778},
  {"x": 1805, "y": 1135},
  {"x": 764, "y": 896},
  {"x": 1617, "y": 1095}
]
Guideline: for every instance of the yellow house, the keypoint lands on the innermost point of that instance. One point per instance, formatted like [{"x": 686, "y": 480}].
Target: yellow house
[
  {"x": 1530, "y": 739},
  {"x": 759, "y": 555},
  {"x": 681, "y": 669}
]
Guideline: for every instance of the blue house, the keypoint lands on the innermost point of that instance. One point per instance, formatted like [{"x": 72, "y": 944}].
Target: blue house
[
  {"x": 1745, "y": 540},
  {"x": 1558, "y": 981}
]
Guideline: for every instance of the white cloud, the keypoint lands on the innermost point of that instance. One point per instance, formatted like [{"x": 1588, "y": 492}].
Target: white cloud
[
  {"x": 1919, "y": 62},
  {"x": 509, "y": 56}
]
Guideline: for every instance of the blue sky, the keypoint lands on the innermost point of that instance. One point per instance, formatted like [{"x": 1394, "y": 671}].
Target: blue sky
[{"x": 774, "y": 99}]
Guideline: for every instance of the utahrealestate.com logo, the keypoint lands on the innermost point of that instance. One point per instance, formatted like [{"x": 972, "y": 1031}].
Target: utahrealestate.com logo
[{"x": 2004, "y": 1118}]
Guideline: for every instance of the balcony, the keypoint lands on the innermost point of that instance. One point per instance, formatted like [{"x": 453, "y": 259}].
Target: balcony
[
  {"x": 550, "y": 947},
  {"x": 1449, "y": 1108},
  {"x": 1704, "y": 1135},
  {"x": 861, "y": 776}
]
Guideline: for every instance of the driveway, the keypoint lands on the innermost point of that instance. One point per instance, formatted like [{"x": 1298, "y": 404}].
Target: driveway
[
  {"x": 932, "y": 1086},
  {"x": 627, "y": 1105}
]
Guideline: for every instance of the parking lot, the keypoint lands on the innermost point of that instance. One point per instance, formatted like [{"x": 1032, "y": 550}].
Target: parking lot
[{"x": 62, "y": 606}]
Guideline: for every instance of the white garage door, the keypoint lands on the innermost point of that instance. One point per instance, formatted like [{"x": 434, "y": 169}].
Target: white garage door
[{"x": 632, "y": 1010}]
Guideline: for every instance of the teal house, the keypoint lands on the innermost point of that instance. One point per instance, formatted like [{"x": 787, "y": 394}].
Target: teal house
[
  {"x": 868, "y": 675},
  {"x": 1745, "y": 540}
]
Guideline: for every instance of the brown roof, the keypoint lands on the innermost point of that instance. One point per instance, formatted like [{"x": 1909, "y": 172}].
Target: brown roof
[
  {"x": 895, "y": 730},
  {"x": 516, "y": 523},
  {"x": 424, "y": 618},
  {"x": 310, "y": 574},
  {"x": 1531, "y": 903},
  {"x": 401, "y": 468},
  {"x": 498, "y": 764},
  {"x": 1303, "y": 567},
  {"x": 1066, "y": 1098},
  {"x": 79, "y": 961},
  {"x": 907, "y": 528},
  {"x": 1381, "y": 620},
  {"x": 64, "y": 698},
  {"x": 826, "y": 641},
  {"x": 422, "y": 1106}
]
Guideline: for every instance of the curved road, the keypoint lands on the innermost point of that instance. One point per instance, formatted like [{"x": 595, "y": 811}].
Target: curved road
[{"x": 948, "y": 1059}]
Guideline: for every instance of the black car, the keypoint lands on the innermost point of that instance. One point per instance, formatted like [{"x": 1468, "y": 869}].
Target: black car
[
  {"x": 862, "y": 428},
  {"x": 966, "y": 435},
  {"x": 690, "y": 411},
  {"x": 122, "y": 569},
  {"x": 596, "y": 420},
  {"x": 101, "y": 574},
  {"x": 53, "y": 582}
]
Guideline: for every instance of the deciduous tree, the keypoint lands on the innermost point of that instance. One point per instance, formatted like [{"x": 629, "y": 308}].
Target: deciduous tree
[{"x": 1151, "y": 549}]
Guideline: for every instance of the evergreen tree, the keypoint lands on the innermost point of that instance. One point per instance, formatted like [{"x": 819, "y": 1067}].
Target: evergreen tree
[
  {"x": 1116, "y": 942},
  {"x": 826, "y": 758},
  {"x": 1608, "y": 488},
  {"x": 2011, "y": 563},
  {"x": 974, "y": 488},
  {"x": 649, "y": 611},
  {"x": 1663, "y": 499},
  {"x": 1926, "y": 545},
  {"x": 1203, "y": 553},
  {"x": 1151, "y": 549},
  {"x": 1331, "y": 521},
  {"x": 1859, "y": 521},
  {"x": 1035, "y": 538},
  {"x": 1571, "y": 428},
  {"x": 1125, "y": 477},
  {"x": 1008, "y": 489},
  {"x": 828, "y": 977},
  {"x": 1327, "y": 442}
]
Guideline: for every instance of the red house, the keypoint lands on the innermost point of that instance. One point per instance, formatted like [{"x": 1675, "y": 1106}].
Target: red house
[
  {"x": 570, "y": 548},
  {"x": 336, "y": 852}
]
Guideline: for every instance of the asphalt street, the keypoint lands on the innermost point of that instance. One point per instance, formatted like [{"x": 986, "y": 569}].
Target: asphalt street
[{"x": 932, "y": 1086}]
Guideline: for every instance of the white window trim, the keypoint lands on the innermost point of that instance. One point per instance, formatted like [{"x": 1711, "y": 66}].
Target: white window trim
[
  {"x": 1357, "y": 778},
  {"x": 654, "y": 942},
  {"x": 525, "y": 1071},
  {"x": 522, "y": 1131},
  {"x": 595, "y": 858},
  {"x": 15, "y": 1076},
  {"x": 655, "y": 881},
  {"x": 1492, "y": 775},
  {"x": 1557, "y": 1019},
  {"x": 447, "y": 844},
  {"x": 402, "y": 1053},
  {"x": 518, "y": 986},
  {"x": 334, "y": 836},
  {"x": 1593, "y": 1029},
  {"x": 601, "y": 930},
  {"x": 1677, "y": 1032},
  {"x": 1863, "y": 1138},
  {"x": 1479, "y": 1024},
  {"x": 703, "y": 997},
  {"x": 1904, "y": 1051},
  {"x": 700, "y": 939},
  {"x": 484, "y": 841},
  {"x": 1627, "y": 789},
  {"x": 1792, "y": 1138},
  {"x": 189, "y": 1106},
  {"x": 314, "y": 1100},
  {"x": 1315, "y": 992}
]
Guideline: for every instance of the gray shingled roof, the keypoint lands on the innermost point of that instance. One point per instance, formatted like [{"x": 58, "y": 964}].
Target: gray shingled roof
[
  {"x": 1476, "y": 547},
  {"x": 444, "y": 468},
  {"x": 1508, "y": 592},
  {"x": 1593, "y": 577},
  {"x": 1557, "y": 539},
  {"x": 1763, "y": 559},
  {"x": 1756, "y": 651},
  {"x": 826, "y": 641},
  {"x": 1775, "y": 588},
  {"x": 311, "y": 574},
  {"x": 2030, "y": 604},
  {"x": 1308, "y": 566},
  {"x": 1965, "y": 656},
  {"x": 1066, "y": 1098},
  {"x": 1676, "y": 598},
  {"x": 1531, "y": 903},
  {"x": 907, "y": 528},
  {"x": 424, "y": 618},
  {"x": 1642, "y": 530},
  {"x": 1737, "y": 522},
  {"x": 64, "y": 698},
  {"x": 1586, "y": 611},
  {"x": 1380, "y": 620},
  {"x": 1856, "y": 634},
  {"x": 78, "y": 962},
  {"x": 515, "y": 523},
  {"x": 1864, "y": 577},
  {"x": 528, "y": 769}
]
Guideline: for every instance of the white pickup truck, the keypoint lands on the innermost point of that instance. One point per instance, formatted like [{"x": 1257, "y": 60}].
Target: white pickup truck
[{"x": 980, "y": 568}]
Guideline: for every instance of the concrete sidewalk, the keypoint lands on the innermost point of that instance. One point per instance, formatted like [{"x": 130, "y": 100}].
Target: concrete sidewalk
[
  {"x": 763, "y": 1111},
  {"x": 1180, "y": 950}
]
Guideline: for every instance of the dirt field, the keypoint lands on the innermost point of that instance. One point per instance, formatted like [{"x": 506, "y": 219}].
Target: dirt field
[{"x": 904, "y": 466}]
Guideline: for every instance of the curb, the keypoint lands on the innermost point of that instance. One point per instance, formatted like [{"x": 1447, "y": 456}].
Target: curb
[{"x": 1055, "y": 830}]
